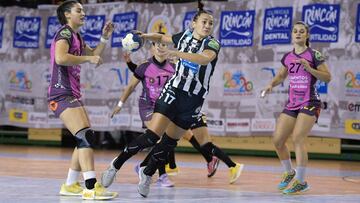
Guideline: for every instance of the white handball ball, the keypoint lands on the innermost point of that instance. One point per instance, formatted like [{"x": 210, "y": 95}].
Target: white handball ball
[{"x": 132, "y": 42}]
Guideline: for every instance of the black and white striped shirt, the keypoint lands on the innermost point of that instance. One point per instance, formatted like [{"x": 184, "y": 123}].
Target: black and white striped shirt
[{"x": 189, "y": 76}]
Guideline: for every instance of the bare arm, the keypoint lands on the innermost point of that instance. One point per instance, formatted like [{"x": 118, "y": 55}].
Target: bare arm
[
  {"x": 156, "y": 37},
  {"x": 202, "y": 58},
  {"x": 62, "y": 57},
  {"x": 322, "y": 72},
  {"x": 279, "y": 78}
]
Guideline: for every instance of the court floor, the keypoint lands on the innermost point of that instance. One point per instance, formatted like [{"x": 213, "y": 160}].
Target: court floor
[{"x": 34, "y": 174}]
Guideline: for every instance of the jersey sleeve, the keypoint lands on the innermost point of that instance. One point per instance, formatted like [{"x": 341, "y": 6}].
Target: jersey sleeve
[
  {"x": 283, "y": 59},
  {"x": 176, "y": 38},
  {"x": 139, "y": 72},
  {"x": 64, "y": 34},
  {"x": 318, "y": 58},
  {"x": 212, "y": 44}
]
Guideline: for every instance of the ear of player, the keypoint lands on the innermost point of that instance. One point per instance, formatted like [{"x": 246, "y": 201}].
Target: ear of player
[{"x": 132, "y": 42}]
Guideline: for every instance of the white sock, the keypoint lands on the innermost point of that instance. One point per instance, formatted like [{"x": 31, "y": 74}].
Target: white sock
[
  {"x": 89, "y": 174},
  {"x": 286, "y": 165},
  {"x": 300, "y": 173},
  {"x": 72, "y": 177}
]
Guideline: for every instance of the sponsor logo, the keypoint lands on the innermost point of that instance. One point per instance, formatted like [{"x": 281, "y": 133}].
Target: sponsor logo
[
  {"x": 20, "y": 81},
  {"x": 352, "y": 84},
  {"x": 352, "y": 127},
  {"x": 236, "y": 83},
  {"x": 160, "y": 23},
  {"x": 237, "y": 125},
  {"x": 92, "y": 29},
  {"x": 26, "y": 32},
  {"x": 237, "y": 28},
  {"x": 123, "y": 23},
  {"x": 355, "y": 107},
  {"x": 262, "y": 125},
  {"x": 215, "y": 124},
  {"x": 37, "y": 118},
  {"x": 277, "y": 25},
  {"x": 188, "y": 19},
  {"x": 53, "y": 26},
  {"x": 1, "y": 30},
  {"x": 18, "y": 116}
]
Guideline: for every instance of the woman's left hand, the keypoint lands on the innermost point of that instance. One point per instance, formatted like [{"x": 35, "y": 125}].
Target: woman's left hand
[{"x": 108, "y": 29}]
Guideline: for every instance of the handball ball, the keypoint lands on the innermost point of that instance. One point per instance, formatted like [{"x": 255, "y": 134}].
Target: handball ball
[{"x": 132, "y": 42}]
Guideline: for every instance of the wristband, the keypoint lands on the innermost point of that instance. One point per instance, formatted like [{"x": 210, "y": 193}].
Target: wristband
[
  {"x": 120, "y": 104},
  {"x": 103, "y": 40}
]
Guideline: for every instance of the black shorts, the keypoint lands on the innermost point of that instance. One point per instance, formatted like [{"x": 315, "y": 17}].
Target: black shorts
[
  {"x": 308, "y": 110},
  {"x": 200, "y": 123},
  {"x": 181, "y": 107}
]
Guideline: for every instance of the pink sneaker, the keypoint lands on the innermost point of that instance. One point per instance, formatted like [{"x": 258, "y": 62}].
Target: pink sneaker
[
  {"x": 164, "y": 181},
  {"x": 212, "y": 166}
]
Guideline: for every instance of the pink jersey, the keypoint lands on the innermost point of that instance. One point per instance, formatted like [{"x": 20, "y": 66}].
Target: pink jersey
[
  {"x": 65, "y": 80},
  {"x": 153, "y": 77},
  {"x": 302, "y": 90}
]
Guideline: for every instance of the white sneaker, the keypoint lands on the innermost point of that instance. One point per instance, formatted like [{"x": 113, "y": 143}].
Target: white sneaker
[
  {"x": 144, "y": 183},
  {"x": 108, "y": 176}
]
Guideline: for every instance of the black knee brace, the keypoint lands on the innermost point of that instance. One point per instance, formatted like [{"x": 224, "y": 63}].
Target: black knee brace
[
  {"x": 85, "y": 138},
  {"x": 148, "y": 139},
  {"x": 161, "y": 151}
]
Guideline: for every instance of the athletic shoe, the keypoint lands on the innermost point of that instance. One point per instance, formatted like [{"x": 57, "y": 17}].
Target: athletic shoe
[
  {"x": 171, "y": 171},
  {"x": 108, "y": 176},
  {"x": 71, "y": 190},
  {"x": 137, "y": 169},
  {"x": 164, "y": 181},
  {"x": 212, "y": 166},
  {"x": 144, "y": 183},
  {"x": 286, "y": 179},
  {"x": 235, "y": 172},
  {"x": 297, "y": 188},
  {"x": 98, "y": 193}
]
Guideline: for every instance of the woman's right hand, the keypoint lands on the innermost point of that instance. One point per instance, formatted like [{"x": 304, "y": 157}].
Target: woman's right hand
[
  {"x": 95, "y": 60},
  {"x": 266, "y": 91},
  {"x": 116, "y": 110}
]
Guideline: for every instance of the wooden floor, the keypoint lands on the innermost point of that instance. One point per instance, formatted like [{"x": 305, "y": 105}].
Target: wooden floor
[{"x": 34, "y": 174}]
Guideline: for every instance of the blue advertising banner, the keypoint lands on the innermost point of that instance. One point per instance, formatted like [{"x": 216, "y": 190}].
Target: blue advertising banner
[
  {"x": 357, "y": 24},
  {"x": 26, "y": 32},
  {"x": 1, "y": 30},
  {"x": 53, "y": 25},
  {"x": 124, "y": 23},
  {"x": 92, "y": 29},
  {"x": 277, "y": 25},
  {"x": 237, "y": 28},
  {"x": 323, "y": 20},
  {"x": 188, "y": 19}
]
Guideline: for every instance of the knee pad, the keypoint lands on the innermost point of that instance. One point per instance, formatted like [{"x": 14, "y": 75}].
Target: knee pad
[
  {"x": 85, "y": 138},
  {"x": 146, "y": 140}
]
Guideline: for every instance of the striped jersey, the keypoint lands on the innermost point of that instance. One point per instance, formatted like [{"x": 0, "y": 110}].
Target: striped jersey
[
  {"x": 191, "y": 77},
  {"x": 65, "y": 80},
  {"x": 302, "y": 90}
]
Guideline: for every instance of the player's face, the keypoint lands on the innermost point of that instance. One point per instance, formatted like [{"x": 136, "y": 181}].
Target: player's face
[
  {"x": 299, "y": 34},
  {"x": 76, "y": 15},
  {"x": 204, "y": 24},
  {"x": 160, "y": 49}
]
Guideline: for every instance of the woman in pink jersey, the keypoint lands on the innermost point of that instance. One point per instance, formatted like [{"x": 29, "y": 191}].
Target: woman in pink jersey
[
  {"x": 303, "y": 66},
  {"x": 68, "y": 51}
]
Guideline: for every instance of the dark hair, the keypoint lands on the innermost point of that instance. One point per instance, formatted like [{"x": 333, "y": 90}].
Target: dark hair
[
  {"x": 200, "y": 11},
  {"x": 64, "y": 7},
  {"x": 307, "y": 43}
]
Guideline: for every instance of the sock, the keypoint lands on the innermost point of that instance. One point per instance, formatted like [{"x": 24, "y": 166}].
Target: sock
[
  {"x": 219, "y": 154},
  {"x": 172, "y": 163},
  {"x": 161, "y": 170},
  {"x": 90, "y": 179},
  {"x": 286, "y": 165},
  {"x": 72, "y": 177},
  {"x": 206, "y": 154},
  {"x": 300, "y": 173}
]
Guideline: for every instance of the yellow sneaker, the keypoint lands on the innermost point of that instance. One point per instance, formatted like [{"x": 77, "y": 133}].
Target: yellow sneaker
[
  {"x": 98, "y": 193},
  {"x": 71, "y": 190},
  {"x": 235, "y": 172},
  {"x": 171, "y": 171}
]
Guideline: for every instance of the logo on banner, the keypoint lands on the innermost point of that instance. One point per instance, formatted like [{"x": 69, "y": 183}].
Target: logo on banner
[
  {"x": 237, "y": 125},
  {"x": 357, "y": 24},
  {"x": 215, "y": 124},
  {"x": 277, "y": 26},
  {"x": 353, "y": 107},
  {"x": 272, "y": 72},
  {"x": 235, "y": 83},
  {"x": 18, "y": 116},
  {"x": 120, "y": 120},
  {"x": 123, "y": 23},
  {"x": 122, "y": 79},
  {"x": 321, "y": 87},
  {"x": 92, "y": 29},
  {"x": 262, "y": 125},
  {"x": 352, "y": 127},
  {"x": 160, "y": 23},
  {"x": 26, "y": 32},
  {"x": 19, "y": 80},
  {"x": 323, "y": 20},
  {"x": 188, "y": 19},
  {"x": 352, "y": 84},
  {"x": 237, "y": 28},
  {"x": 1, "y": 30},
  {"x": 53, "y": 26},
  {"x": 37, "y": 118}
]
